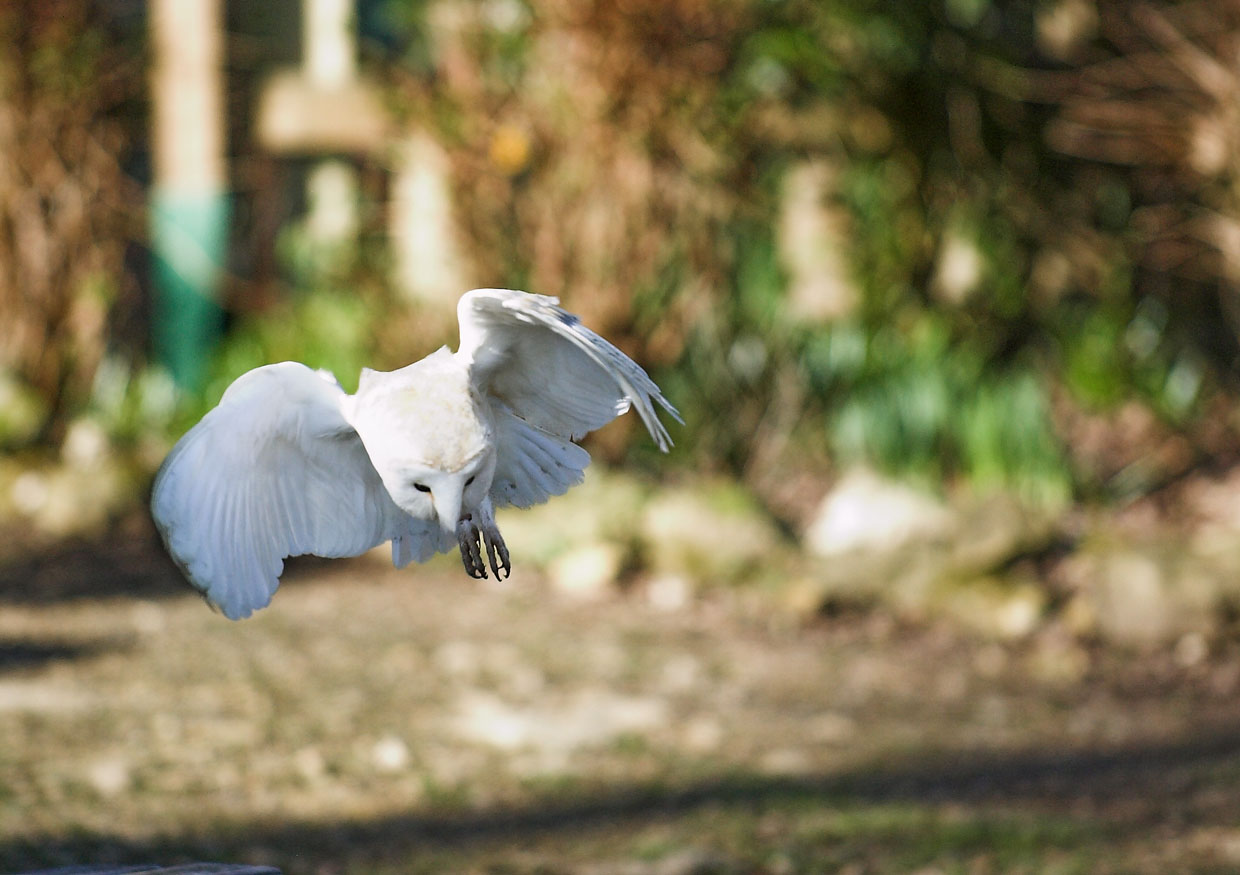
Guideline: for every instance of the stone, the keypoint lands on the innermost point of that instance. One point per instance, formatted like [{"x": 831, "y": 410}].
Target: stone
[
  {"x": 587, "y": 572},
  {"x": 1132, "y": 603},
  {"x": 1192, "y": 649},
  {"x": 713, "y": 532},
  {"x": 995, "y": 528},
  {"x": 867, "y": 512},
  {"x": 703, "y": 734},
  {"x": 389, "y": 755},
  {"x": 1147, "y": 594},
  {"x": 309, "y": 763},
  {"x": 109, "y": 776},
  {"x": 606, "y": 507},
  {"x": 64, "y": 500},
  {"x": 922, "y": 556},
  {"x": 1057, "y": 659},
  {"x": 669, "y": 592},
  {"x": 993, "y": 607}
]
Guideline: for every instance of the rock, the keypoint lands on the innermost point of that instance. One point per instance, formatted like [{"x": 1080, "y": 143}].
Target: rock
[
  {"x": 1079, "y": 617},
  {"x": 992, "y": 606},
  {"x": 994, "y": 529},
  {"x": 866, "y": 512},
  {"x": 1214, "y": 502},
  {"x": 389, "y": 755},
  {"x": 308, "y": 762},
  {"x": 64, "y": 500},
  {"x": 1146, "y": 594},
  {"x": 586, "y": 572},
  {"x": 1058, "y": 659},
  {"x": 802, "y": 598},
  {"x": 109, "y": 776},
  {"x": 1192, "y": 649},
  {"x": 889, "y": 543},
  {"x": 605, "y": 508},
  {"x": 902, "y": 578},
  {"x": 669, "y": 592},
  {"x": 1132, "y": 600},
  {"x": 77, "y": 492},
  {"x": 713, "y": 532},
  {"x": 702, "y": 734}
]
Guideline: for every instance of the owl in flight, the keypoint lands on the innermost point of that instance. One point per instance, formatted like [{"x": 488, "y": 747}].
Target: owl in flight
[{"x": 289, "y": 464}]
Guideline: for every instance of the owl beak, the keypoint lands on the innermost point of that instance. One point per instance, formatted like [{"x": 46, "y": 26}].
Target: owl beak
[{"x": 448, "y": 509}]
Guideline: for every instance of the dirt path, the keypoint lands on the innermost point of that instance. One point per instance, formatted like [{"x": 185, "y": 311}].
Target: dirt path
[{"x": 383, "y": 721}]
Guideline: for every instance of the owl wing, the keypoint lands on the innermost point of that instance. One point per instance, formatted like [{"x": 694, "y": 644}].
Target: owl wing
[
  {"x": 274, "y": 471},
  {"x": 551, "y": 380}
]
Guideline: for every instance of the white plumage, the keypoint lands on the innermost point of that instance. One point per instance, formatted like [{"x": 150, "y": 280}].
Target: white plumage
[{"x": 289, "y": 464}]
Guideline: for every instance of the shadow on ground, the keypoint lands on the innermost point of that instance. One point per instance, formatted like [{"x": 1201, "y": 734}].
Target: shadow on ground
[
  {"x": 1073, "y": 802},
  {"x": 128, "y": 561},
  {"x": 19, "y": 654}
]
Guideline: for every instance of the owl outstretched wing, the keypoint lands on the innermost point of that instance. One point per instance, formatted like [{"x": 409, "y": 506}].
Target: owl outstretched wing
[
  {"x": 551, "y": 380},
  {"x": 274, "y": 471}
]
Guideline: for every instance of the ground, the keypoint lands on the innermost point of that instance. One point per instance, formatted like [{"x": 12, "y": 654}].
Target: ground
[{"x": 382, "y": 721}]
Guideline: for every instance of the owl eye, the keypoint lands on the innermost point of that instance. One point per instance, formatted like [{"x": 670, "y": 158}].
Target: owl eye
[
  {"x": 421, "y": 487},
  {"x": 470, "y": 480}
]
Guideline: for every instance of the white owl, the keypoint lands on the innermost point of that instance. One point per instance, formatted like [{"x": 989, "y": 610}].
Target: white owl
[{"x": 289, "y": 464}]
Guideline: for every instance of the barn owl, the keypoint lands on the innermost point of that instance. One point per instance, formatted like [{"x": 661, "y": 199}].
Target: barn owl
[{"x": 288, "y": 463}]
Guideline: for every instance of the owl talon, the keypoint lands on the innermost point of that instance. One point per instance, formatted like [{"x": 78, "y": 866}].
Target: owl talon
[
  {"x": 473, "y": 531},
  {"x": 469, "y": 539},
  {"x": 496, "y": 547}
]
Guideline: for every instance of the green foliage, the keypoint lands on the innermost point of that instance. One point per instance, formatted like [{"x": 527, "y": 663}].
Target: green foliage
[
  {"x": 332, "y": 317},
  {"x": 914, "y": 401},
  {"x": 129, "y": 403},
  {"x": 322, "y": 328},
  {"x": 937, "y": 154},
  {"x": 654, "y": 208},
  {"x": 887, "y": 253}
]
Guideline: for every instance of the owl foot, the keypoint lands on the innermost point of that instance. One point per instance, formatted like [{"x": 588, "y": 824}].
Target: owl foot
[{"x": 472, "y": 531}]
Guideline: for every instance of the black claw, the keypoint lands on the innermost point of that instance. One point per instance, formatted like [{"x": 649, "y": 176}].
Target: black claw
[
  {"x": 497, "y": 555},
  {"x": 491, "y": 558},
  {"x": 472, "y": 539},
  {"x": 470, "y": 542}
]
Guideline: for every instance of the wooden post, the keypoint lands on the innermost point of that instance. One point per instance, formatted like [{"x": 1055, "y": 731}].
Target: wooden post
[
  {"x": 189, "y": 206},
  {"x": 329, "y": 64},
  {"x": 427, "y": 262}
]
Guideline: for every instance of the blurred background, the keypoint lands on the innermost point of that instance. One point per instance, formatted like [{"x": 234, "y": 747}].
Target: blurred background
[{"x": 947, "y": 292}]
